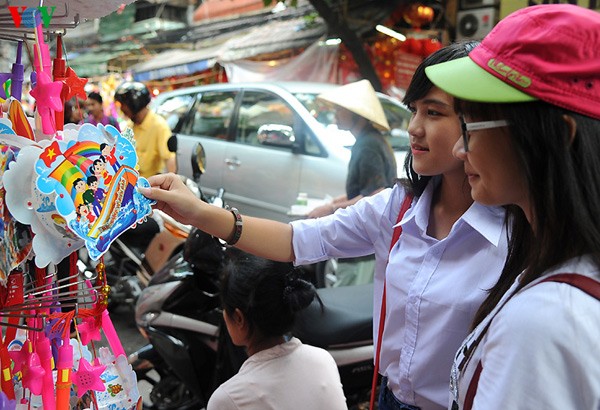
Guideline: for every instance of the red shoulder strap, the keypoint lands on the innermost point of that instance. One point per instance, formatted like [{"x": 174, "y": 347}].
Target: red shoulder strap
[
  {"x": 395, "y": 236},
  {"x": 584, "y": 283},
  {"x": 398, "y": 229}
]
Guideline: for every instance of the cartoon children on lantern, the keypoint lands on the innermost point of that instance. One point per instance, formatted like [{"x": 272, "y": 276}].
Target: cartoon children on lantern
[
  {"x": 100, "y": 172},
  {"x": 94, "y": 181},
  {"x": 108, "y": 153},
  {"x": 94, "y": 195},
  {"x": 80, "y": 187},
  {"x": 88, "y": 201},
  {"x": 84, "y": 215}
]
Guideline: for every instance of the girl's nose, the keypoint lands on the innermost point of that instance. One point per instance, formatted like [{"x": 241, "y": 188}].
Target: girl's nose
[
  {"x": 459, "y": 149},
  {"x": 415, "y": 127}
]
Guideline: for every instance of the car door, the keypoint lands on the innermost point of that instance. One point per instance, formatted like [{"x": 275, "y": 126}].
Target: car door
[
  {"x": 209, "y": 124},
  {"x": 262, "y": 175}
]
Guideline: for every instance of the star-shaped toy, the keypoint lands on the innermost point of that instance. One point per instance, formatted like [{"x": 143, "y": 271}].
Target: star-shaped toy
[
  {"x": 33, "y": 374},
  {"x": 75, "y": 85},
  {"x": 88, "y": 330},
  {"x": 87, "y": 377},
  {"x": 19, "y": 357},
  {"x": 47, "y": 99}
]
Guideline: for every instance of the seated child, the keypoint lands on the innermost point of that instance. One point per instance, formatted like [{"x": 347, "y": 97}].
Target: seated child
[{"x": 260, "y": 300}]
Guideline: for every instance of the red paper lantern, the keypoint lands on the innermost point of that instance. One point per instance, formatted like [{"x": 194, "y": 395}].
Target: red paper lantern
[
  {"x": 431, "y": 46},
  {"x": 413, "y": 46},
  {"x": 417, "y": 15}
]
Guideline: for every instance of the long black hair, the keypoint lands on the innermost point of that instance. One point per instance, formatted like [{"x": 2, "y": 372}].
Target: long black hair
[
  {"x": 268, "y": 293},
  {"x": 562, "y": 176},
  {"x": 418, "y": 88}
]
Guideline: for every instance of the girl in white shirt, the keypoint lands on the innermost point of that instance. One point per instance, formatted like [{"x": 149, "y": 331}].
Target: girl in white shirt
[
  {"x": 260, "y": 299},
  {"x": 449, "y": 253},
  {"x": 531, "y": 138}
]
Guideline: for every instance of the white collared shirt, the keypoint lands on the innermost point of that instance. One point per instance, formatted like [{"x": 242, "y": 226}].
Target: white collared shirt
[
  {"x": 433, "y": 287},
  {"x": 291, "y": 376},
  {"x": 541, "y": 350}
]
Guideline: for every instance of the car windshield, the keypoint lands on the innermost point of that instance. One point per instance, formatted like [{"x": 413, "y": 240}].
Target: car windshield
[{"x": 397, "y": 115}]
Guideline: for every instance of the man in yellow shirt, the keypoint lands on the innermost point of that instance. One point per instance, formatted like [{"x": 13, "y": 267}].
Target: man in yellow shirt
[
  {"x": 151, "y": 133},
  {"x": 150, "y": 130}
]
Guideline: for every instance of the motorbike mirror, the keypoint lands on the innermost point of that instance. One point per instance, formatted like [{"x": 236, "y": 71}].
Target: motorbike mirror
[
  {"x": 172, "y": 143},
  {"x": 198, "y": 161}
]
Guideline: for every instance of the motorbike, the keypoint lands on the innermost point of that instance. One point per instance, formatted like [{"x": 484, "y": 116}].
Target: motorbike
[
  {"x": 189, "y": 348},
  {"x": 180, "y": 314}
]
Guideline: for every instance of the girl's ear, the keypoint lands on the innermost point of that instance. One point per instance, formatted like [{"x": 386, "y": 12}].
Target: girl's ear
[
  {"x": 572, "y": 125},
  {"x": 241, "y": 326},
  {"x": 238, "y": 318}
]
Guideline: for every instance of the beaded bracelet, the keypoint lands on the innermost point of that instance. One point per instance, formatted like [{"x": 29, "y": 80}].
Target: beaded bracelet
[{"x": 238, "y": 224}]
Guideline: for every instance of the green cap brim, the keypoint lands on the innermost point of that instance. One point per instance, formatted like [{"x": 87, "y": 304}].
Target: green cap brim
[{"x": 464, "y": 79}]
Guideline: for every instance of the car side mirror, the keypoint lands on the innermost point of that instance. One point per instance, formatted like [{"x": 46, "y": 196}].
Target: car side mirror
[
  {"x": 198, "y": 162},
  {"x": 276, "y": 135}
]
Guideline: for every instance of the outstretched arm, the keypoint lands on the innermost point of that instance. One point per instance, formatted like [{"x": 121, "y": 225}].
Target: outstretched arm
[{"x": 261, "y": 237}]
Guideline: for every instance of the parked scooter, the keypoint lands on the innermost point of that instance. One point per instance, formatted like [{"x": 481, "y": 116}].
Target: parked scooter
[{"x": 180, "y": 314}]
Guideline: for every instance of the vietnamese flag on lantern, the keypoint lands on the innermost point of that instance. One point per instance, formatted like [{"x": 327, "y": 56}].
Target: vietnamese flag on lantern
[{"x": 50, "y": 153}]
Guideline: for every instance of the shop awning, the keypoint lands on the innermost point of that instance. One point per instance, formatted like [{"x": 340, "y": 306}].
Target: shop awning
[
  {"x": 290, "y": 34},
  {"x": 175, "y": 62},
  {"x": 213, "y": 9},
  {"x": 94, "y": 63},
  {"x": 273, "y": 37}
]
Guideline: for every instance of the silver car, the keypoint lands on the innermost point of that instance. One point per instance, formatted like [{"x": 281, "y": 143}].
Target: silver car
[{"x": 267, "y": 142}]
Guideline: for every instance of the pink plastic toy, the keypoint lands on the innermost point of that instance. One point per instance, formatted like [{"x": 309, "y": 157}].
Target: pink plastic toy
[
  {"x": 64, "y": 380},
  {"x": 87, "y": 377}
]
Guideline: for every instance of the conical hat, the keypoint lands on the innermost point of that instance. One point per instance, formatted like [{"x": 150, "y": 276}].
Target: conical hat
[{"x": 360, "y": 98}]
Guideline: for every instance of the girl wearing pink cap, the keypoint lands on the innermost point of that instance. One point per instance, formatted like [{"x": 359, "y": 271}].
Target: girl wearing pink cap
[{"x": 531, "y": 140}]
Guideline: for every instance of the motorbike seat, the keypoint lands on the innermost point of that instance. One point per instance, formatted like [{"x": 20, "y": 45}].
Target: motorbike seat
[{"x": 346, "y": 317}]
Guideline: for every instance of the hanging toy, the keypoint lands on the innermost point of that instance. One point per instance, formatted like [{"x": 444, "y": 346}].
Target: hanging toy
[
  {"x": 97, "y": 202},
  {"x": 87, "y": 377},
  {"x": 76, "y": 85},
  {"x": 59, "y": 74},
  {"x": 64, "y": 380},
  {"x": 46, "y": 92},
  {"x": 14, "y": 78},
  {"x": 47, "y": 98}
]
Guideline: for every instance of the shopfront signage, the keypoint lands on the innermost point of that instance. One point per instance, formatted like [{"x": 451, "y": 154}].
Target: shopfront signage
[
  {"x": 508, "y": 6},
  {"x": 25, "y": 16}
]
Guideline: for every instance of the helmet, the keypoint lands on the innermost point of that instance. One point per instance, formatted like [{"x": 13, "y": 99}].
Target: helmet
[
  {"x": 134, "y": 95},
  {"x": 203, "y": 252}
]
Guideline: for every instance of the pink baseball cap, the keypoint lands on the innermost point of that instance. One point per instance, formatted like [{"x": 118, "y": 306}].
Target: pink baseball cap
[{"x": 547, "y": 52}]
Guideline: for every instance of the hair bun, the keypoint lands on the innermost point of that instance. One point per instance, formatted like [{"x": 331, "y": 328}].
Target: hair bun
[{"x": 298, "y": 293}]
